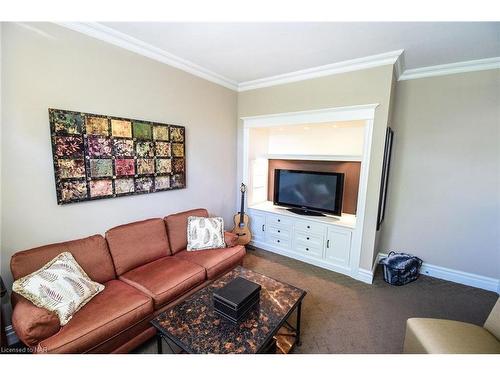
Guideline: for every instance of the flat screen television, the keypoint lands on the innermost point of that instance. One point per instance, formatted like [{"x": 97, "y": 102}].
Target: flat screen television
[{"x": 309, "y": 193}]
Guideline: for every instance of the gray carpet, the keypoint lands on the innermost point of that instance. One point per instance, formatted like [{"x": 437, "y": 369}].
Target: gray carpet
[{"x": 342, "y": 315}]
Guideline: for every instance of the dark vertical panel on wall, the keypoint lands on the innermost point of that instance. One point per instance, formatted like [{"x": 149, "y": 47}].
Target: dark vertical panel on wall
[{"x": 350, "y": 169}]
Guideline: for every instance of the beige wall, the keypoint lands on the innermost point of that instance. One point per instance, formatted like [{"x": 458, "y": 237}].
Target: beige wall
[
  {"x": 49, "y": 66},
  {"x": 447, "y": 132},
  {"x": 444, "y": 189},
  {"x": 354, "y": 88}
]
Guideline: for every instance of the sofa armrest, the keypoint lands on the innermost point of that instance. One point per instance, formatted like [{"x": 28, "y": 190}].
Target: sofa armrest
[
  {"x": 230, "y": 239},
  {"x": 33, "y": 324}
]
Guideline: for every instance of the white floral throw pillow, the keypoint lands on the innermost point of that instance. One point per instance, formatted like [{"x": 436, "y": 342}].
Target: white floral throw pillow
[
  {"x": 61, "y": 286},
  {"x": 205, "y": 233}
]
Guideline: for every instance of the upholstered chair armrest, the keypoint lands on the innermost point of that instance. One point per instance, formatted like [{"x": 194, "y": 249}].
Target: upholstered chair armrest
[
  {"x": 33, "y": 324},
  {"x": 230, "y": 239},
  {"x": 442, "y": 336}
]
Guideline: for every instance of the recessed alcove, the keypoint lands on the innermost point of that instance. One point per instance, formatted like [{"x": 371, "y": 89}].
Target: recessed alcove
[
  {"x": 324, "y": 147},
  {"x": 333, "y": 139}
]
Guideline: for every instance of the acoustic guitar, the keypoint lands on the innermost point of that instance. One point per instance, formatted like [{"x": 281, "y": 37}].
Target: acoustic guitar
[{"x": 241, "y": 221}]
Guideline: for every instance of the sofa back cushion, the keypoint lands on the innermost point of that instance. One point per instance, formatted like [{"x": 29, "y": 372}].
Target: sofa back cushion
[
  {"x": 134, "y": 244},
  {"x": 91, "y": 253},
  {"x": 177, "y": 228}
]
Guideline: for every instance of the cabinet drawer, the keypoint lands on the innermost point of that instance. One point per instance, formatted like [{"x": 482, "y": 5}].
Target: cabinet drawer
[
  {"x": 309, "y": 250},
  {"x": 278, "y": 242},
  {"x": 310, "y": 227},
  {"x": 309, "y": 239},
  {"x": 278, "y": 232},
  {"x": 278, "y": 221}
]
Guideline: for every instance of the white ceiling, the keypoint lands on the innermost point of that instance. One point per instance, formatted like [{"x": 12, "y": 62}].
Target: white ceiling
[{"x": 242, "y": 52}]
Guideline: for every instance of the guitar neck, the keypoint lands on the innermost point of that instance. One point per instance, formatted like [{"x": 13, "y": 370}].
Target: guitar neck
[{"x": 242, "y": 206}]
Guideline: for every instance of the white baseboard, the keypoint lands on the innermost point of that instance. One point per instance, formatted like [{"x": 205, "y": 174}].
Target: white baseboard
[
  {"x": 465, "y": 278},
  {"x": 365, "y": 276},
  {"x": 297, "y": 256}
]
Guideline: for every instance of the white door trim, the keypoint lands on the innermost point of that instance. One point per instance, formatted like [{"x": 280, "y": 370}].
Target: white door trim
[
  {"x": 357, "y": 240},
  {"x": 356, "y": 112}
]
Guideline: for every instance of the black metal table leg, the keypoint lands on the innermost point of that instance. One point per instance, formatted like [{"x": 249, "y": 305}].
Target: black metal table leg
[
  {"x": 299, "y": 313},
  {"x": 159, "y": 339}
]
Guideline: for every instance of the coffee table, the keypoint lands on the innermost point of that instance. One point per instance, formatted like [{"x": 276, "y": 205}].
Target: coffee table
[{"x": 193, "y": 326}]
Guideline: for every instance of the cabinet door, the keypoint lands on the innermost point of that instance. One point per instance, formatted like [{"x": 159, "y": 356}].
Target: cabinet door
[
  {"x": 338, "y": 247},
  {"x": 257, "y": 225}
]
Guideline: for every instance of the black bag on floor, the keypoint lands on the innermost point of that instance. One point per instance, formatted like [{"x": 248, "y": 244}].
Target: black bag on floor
[{"x": 400, "y": 268}]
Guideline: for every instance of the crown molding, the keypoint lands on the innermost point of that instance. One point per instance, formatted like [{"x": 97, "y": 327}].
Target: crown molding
[
  {"x": 109, "y": 35},
  {"x": 396, "y": 58},
  {"x": 387, "y": 58},
  {"x": 454, "y": 68},
  {"x": 399, "y": 65}
]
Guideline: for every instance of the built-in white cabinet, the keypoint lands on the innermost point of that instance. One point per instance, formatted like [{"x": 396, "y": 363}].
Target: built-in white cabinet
[{"x": 322, "y": 241}]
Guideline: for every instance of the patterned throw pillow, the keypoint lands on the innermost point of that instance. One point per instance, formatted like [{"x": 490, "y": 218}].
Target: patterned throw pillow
[
  {"x": 61, "y": 286},
  {"x": 205, "y": 233}
]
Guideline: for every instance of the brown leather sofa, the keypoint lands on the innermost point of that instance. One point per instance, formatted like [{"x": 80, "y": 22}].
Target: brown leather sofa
[
  {"x": 145, "y": 269},
  {"x": 442, "y": 336}
]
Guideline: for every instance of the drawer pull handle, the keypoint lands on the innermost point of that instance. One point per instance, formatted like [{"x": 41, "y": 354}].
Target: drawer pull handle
[
  {"x": 328, "y": 243},
  {"x": 279, "y": 220},
  {"x": 279, "y": 231},
  {"x": 308, "y": 227},
  {"x": 307, "y": 249},
  {"x": 307, "y": 237},
  {"x": 263, "y": 227},
  {"x": 278, "y": 241}
]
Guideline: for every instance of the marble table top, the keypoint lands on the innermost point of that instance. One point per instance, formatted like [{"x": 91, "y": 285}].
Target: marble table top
[{"x": 197, "y": 328}]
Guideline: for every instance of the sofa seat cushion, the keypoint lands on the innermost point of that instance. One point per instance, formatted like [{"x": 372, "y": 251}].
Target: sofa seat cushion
[
  {"x": 215, "y": 261},
  {"x": 165, "y": 279},
  {"x": 117, "y": 308},
  {"x": 441, "y": 336}
]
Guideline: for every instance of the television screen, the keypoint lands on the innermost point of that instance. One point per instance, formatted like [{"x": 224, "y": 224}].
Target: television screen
[{"x": 314, "y": 191}]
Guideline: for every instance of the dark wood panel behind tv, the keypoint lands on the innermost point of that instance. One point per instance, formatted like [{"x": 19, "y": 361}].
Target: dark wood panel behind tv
[{"x": 350, "y": 169}]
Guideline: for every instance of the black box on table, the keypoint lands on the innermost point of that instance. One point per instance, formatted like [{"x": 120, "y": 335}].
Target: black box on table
[{"x": 236, "y": 299}]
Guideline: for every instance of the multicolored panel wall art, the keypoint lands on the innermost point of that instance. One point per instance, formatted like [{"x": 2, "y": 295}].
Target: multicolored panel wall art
[{"x": 98, "y": 156}]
